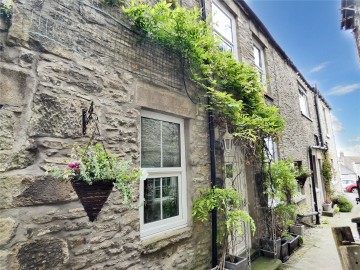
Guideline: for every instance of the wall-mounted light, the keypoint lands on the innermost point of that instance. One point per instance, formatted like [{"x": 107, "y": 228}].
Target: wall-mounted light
[{"x": 227, "y": 141}]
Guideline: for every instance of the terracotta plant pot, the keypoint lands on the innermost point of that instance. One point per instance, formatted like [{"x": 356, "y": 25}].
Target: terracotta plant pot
[{"x": 92, "y": 197}]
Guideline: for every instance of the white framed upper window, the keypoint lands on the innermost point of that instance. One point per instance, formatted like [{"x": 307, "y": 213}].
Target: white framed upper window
[
  {"x": 271, "y": 150},
  {"x": 304, "y": 107},
  {"x": 259, "y": 60},
  {"x": 163, "y": 192},
  {"x": 225, "y": 27},
  {"x": 326, "y": 122}
]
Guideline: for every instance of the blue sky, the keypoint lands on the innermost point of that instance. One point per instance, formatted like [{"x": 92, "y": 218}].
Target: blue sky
[{"x": 309, "y": 32}]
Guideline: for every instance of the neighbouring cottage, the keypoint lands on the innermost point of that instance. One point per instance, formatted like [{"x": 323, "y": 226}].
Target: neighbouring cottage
[
  {"x": 56, "y": 58},
  {"x": 350, "y": 19}
]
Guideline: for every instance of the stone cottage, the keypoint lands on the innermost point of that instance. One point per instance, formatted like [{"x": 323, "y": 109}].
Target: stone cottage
[
  {"x": 59, "y": 56},
  {"x": 350, "y": 19}
]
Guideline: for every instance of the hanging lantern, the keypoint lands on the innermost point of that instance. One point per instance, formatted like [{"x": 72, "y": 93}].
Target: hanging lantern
[{"x": 227, "y": 141}]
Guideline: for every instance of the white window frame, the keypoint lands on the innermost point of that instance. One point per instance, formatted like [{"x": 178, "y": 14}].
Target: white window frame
[
  {"x": 326, "y": 123},
  {"x": 154, "y": 228},
  {"x": 273, "y": 149},
  {"x": 261, "y": 68},
  {"x": 226, "y": 12},
  {"x": 304, "y": 105}
]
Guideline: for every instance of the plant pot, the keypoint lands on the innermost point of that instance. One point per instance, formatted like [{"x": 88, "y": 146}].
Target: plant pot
[
  {"x": 326, "y": 206},
  {"x": 297, "y": 229},
  {"x": 239, "y": 263},
  {"x": 293, "y": 244},
  {"x": 301, "y": 179},
  {"x": 270, "y": 248},
  {"x": 92, "y": 197},
  {"x": 284, "y": 250}
]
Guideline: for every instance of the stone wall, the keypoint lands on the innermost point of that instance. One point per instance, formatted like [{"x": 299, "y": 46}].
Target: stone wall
[
  {"x": 55, "y": 58},
  {"x": 283, "y": 91},
  {"x": 58, "y": 56}
]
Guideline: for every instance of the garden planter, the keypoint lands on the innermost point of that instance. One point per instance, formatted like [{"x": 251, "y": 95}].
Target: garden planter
[
  {"x": 326, "y": 206},
  {"x": 239, "y": 263},
  {"x": 293, "y": 244},
  {"x": 270, "y": 248},
  {"x": 284, "y": 250},
  {"x": 297, "y": 229},
  {"x": 92, "y": 197}
]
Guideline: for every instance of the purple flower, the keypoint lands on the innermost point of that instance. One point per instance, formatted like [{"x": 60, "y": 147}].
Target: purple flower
[{"x": 74, "y": 165}]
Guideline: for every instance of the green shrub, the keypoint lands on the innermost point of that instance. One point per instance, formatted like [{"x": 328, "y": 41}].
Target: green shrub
[{"x": 343, "y": 203}]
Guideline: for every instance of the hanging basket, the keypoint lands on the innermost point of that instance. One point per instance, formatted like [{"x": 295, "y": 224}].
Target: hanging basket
[
  {"x": 92, "y": 197},
  {"x": 302, "y": 179}
]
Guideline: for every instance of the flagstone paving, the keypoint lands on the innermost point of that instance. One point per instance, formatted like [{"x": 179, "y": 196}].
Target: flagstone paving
[{"x": 319, "y": 250}]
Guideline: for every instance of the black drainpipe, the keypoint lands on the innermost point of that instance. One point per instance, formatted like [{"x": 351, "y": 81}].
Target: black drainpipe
[
  {"x": 316, "y": 208},
  {"x": 214, "y": 259},
  {"x": 318, "y": 115},
  {"x": 322, "y": 143}
]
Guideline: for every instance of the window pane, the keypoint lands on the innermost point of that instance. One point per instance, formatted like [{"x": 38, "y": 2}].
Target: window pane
[
  {"x": 224, "y": 47},
  {"x": 150, "y": 143},
  {"x": 171, "y": 144},
  {"x": 257, "y": 56},
  {"x": 152, "y": 200},
  {"x": 303, "y": 103},
  {"x": 170, "y": 197},
  {"x": 222, "y": 23},
  {"x": 161, "y": 198}
]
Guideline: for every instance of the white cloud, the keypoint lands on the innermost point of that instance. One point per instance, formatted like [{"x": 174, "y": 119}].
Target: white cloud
[
  {"x": 344, "y": 89},
  {"x": 357, "y": 139},
  {"x": 336, "y": 124},
  {"x": 353, "y": 150},
  {"x": 319, "y": 67}
]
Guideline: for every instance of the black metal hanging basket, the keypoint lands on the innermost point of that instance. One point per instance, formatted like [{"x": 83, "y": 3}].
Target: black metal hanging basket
[
  {"x": 93, "y": 197},
  {"x": 301, "y": 180}
]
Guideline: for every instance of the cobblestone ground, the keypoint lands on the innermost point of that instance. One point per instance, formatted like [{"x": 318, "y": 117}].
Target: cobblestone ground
[{"x": 319, "y": 250}]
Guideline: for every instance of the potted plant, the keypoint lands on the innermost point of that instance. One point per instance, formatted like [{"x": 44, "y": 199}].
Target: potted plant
[
  {"x": 302, "y": 175},
  {"x": 93, "y": 172},
  {"x": 229, "y": 204},
  {"x": 326, "y": 174},
  {"x": 280, "y": 186}
]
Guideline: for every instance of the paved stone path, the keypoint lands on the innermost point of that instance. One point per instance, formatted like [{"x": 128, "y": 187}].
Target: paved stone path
[{"x": 319, "y": 250}]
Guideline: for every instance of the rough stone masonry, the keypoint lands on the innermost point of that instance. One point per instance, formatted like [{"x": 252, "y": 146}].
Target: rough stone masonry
[{"x": 55, "y": 58}]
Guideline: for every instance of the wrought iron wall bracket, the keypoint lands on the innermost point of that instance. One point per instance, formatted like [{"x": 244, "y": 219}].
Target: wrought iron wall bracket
[{"x": 87, "y": 116}]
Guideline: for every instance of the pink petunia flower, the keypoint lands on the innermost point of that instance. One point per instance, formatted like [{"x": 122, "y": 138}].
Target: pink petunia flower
[{"x": 74, "y": 165}]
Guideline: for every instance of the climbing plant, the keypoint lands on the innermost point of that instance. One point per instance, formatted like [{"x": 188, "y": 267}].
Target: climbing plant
[
  {"x": 326, "y": 174},
  {"x": 6, "y": 7},
  {"x": 234, "y": 88}
]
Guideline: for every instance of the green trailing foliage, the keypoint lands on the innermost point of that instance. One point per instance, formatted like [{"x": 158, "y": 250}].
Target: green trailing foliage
[
  {"x": 343, "y": 204},
  {"x": 227, "y": 201},
  {"x": 92, "y": 164},
  {"x": 281, "y": 186},
  {"x": 326, "y": 174},
  {"x": 281, "y": 181},
  {"x": 284, "y": 217},
  {"x": 235, "y": 88}
]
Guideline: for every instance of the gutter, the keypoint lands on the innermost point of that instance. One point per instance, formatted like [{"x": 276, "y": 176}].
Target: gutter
[{"x": 214, "y": 252}]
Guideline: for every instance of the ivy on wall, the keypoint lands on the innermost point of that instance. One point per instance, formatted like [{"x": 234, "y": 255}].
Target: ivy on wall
[{"x": 235, "y": 89}]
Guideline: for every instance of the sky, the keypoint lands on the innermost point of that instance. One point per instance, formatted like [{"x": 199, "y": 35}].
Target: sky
[{"x": 309, "y": 33}]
